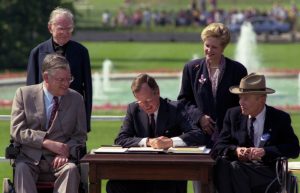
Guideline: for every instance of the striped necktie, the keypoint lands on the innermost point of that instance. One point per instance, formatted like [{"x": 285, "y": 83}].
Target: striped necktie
[{"x": 54, "y": 110}]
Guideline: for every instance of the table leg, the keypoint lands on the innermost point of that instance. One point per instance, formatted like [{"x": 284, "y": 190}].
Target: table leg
[
  {"x": 95, "y": 187},
  {"x": 95, "y": 183},
  {"x": 204, "y": 188}
]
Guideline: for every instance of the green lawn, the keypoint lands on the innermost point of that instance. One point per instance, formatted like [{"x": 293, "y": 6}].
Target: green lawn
[
  {"x": 141, "y": 56},
  {"x": 102, "y": 133}
]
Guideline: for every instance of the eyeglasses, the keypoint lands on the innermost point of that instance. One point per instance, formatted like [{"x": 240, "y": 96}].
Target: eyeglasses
[
  {"x": 63, "y": 80},
  {"x": 145, "y": 102},
  {"x": 59, "y": 28}
]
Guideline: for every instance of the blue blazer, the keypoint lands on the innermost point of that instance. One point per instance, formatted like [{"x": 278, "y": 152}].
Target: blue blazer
[
  {"x": 282, "y": 141},
  {"x": 198, "y": 97},
  {"x": 171, "y": 121},
  {"x": 79, "y": 60}
]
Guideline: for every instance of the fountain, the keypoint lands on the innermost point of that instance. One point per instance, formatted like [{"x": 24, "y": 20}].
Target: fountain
[
  {"x": 97, "y": 87},
  {"x": 284, "y": 85},
  {"x": 246, "y": 49},
  {"x": 102, "y": 85},
  {"x": 106, "y": 70},
  {"x": 195, "y": 56}
]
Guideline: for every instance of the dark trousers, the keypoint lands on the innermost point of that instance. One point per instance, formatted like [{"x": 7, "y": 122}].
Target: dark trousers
[
  {"x": 145, "y": 186},
  {"x": 246, "y": 177}
]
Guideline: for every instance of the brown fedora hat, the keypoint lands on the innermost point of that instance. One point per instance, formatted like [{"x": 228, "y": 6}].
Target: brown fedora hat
[{"x": 252, "y": 84}]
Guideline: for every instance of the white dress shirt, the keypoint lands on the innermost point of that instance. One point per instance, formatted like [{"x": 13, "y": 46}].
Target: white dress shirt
[
  {"x": 49, "y": 103},
  {"x": 177, "y": 141},
  {"x": 258, "y": 125}
]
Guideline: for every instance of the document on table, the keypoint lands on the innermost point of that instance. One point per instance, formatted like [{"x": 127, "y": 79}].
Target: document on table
[
  {"x": 144, "y": 149},
  {"x": 175, "y": 150},
  {"x": 179, "y": 150},
  {"x": 110, "y": 149},
  {"x": 189, "y": 150},
  {"x": 294, "y": 165}
]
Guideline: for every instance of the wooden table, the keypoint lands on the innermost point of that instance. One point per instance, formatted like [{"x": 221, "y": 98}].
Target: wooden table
[{"x": 153, "y": 166}]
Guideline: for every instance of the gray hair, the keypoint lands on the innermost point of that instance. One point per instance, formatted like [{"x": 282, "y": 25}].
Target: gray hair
[
  {"x": 54, "y": 61},
  {"x": 140, "y": 80},
  {"x": 60, "y": 11}
]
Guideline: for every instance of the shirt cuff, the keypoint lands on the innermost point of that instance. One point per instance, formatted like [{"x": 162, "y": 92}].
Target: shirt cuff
[
  {"x": 177, "y": 142},
  {"x": 143, "y": 142}
]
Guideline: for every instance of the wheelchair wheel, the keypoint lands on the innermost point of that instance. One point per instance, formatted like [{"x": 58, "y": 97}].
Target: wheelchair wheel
[{"x": 7, "y": 186}]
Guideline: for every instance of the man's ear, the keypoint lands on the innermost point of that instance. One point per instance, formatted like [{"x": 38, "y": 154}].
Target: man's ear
[
  {"x": 157, "y": 92},
  {"x": 46, "y": 77},
  {"x": 50, "y": 27}
]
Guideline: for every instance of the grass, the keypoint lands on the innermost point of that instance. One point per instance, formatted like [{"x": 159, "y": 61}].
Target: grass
[
  {"x": 171, "y": 56},
  {"x": 102, "y": 133},
  {"x": 168, "y": 56}
]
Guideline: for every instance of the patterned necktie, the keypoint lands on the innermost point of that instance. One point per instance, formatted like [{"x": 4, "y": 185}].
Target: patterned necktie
[
  {"x": 53, "y": 112},
  {"x": 251, "y": 131},
  {"x": 152, "y": 126}
]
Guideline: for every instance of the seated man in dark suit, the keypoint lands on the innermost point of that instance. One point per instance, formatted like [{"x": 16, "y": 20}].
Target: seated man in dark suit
[
  {"x": 254, "y": 135},
  {"x": 155, "y": 122}
]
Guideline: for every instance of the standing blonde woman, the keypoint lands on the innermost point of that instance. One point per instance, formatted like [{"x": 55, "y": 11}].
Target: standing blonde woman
[{"x": 205, "y": 84}]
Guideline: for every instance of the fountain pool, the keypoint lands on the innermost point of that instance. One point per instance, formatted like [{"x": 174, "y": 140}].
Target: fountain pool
[{"x": 287, "y": 91}]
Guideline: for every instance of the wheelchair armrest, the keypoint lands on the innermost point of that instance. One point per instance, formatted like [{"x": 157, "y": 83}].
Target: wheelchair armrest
[
  {"x": 12, "y": 151},
  {"x": 80, "y": 152}
]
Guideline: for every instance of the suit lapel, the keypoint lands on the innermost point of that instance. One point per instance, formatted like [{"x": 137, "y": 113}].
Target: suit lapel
[
  {"x": 162, "y": 118},
  {"x": 244, "y": 131},
  {"x": 38, "y": 100},
  {"x": 204, "y": 89},
  {"x": 222, "y": 71},
  {"x": 63, "y": 108},
  {"x": 47, "y": 50},
  {"x": 144, "y": 121},
  {"x": 267, "y": 128}
]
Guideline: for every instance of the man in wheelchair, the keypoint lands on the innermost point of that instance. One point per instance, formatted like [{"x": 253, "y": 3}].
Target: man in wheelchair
[
  {"x": 253, "y": 138},
  {"x": 48, "y": 124}
]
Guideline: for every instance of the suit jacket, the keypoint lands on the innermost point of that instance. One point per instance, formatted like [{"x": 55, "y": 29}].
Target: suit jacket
[
  {"x": 79, "y": 60},
  {"x": 28, "y": 123},
  {"x": 171, "y": 121},
  {"x": 282, "y": 141},
  {"x": 198, "y": 97}
]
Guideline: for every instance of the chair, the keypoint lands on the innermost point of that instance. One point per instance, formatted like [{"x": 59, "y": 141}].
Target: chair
[
  {"x": 43, "y": 186},
  {"x": 286, "y": 180}
]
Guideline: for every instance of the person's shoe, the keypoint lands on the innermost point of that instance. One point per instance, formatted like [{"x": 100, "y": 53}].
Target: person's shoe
[{"x": 7, "y": 186}]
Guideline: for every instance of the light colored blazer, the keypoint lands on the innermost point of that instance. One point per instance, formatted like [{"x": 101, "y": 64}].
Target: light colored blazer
[{"x": 28, "y": 123}]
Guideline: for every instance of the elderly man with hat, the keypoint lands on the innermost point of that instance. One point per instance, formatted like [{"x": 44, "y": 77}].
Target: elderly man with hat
[{"x": 254, "y": 136}]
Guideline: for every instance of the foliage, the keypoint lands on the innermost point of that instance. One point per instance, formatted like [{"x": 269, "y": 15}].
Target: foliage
[{"x": 23, "y": 24}]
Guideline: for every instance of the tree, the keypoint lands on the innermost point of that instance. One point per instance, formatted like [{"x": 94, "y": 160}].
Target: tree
[{"x": 23, "y": 24}]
